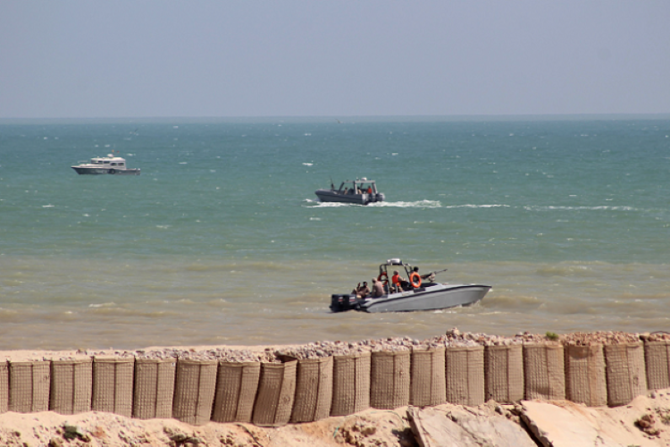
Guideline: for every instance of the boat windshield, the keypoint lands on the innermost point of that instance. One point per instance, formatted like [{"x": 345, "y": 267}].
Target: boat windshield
[{"x": 356, "y": 187}]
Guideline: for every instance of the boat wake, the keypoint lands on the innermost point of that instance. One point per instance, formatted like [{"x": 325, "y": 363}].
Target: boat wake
[
  {"x": 317, "y": 204},
  {"x": 417, "y": 204},
  {"x": 493, "y": 205}
]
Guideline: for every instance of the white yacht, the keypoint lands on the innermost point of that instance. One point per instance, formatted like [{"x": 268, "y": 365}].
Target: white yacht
[{"x": 105, "y": 165}]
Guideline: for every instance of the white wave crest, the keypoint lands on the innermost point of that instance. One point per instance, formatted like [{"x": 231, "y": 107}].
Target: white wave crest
[
  {"x": 471, "y": 205},
  {"x": 578, "y": 208}
]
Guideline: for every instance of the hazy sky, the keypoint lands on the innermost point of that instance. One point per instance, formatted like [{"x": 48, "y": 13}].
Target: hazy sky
[{"x": 162, "y": 58}]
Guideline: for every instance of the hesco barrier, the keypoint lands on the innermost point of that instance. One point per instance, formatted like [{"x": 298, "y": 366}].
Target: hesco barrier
[
  {"x": 29, "y": 386},
  {"x": 503, "y": 369},
  {"x": 626, "y": 374},
  {"x": 194, "y": 391},
  {"x": 465, "y": 375},
  {"x": 4, "y": 387},
  {"x": 314, "y": 390},
  {"x": 71, "y": 386},
  {"x": 428, "y": 384},
  {"x": 544, "y": 371},
  {"x": 351, "y": 384},
  {"x": 305, "y": 390},
  {"x": 236, "y": 386},
  {"x": 113, "y": 385},
  {"x": 276, "y": 393},
  {"x": 154, "y": 388},
  {"x": 657, "y": 360},
  {"x": 389, "y": 379},
  {"x": 585, "y": 381}
]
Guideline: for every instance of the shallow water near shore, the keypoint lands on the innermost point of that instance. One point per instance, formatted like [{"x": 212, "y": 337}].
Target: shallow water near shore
[{"x": 220, "y": 240}]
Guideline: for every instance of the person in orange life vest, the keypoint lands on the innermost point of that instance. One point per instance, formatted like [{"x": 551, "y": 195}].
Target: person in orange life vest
[
  {"x": 369, "y": 189},
  {"x": 398, "y": 281}
]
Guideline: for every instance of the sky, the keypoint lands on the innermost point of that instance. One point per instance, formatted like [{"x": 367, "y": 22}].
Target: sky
[{"x": 205, "y": 58}]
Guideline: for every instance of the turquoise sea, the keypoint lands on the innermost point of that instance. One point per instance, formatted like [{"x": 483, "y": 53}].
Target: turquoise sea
[{"x": 221, "y": 240}]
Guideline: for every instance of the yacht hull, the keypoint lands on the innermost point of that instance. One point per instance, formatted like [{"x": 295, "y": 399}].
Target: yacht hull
[{"x": 99, "y": 171}]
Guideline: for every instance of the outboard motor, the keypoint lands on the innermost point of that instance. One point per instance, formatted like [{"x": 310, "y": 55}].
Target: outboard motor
[
  {"x": 342, "y": 303},
  {"x": 379, "y": 197}
]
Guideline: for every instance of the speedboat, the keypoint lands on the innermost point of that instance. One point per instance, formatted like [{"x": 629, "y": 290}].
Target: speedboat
[
  {"x": 419, "y": 292},
  {"x": 360, "y": 191},
  {"x": 105, "y": 165}
]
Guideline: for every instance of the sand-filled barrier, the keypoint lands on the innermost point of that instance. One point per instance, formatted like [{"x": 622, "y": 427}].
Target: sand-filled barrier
[
  {"x": 657, "y": 361},
  {"x": 465, "y": 375},
  {"x": 503, "y": 370},
  {"x": 274, "y": 386},
  {"x": 351, "y": 383},
  {"x": 585, "y": 378},
  {"x": 71, "y": 386},
  {"x": 236, "y": 387},
  {"x": 154, "y": 388},
  {"x": 113, "y": 385},
  {"x": 29, "y": 386},
  {"x": 389, "y": 379},
  {"x": 194, "y": 390},
  {"x": 544, "y": 371},
  {"x": 428, "y": 386},
  {"x": 276, "y": 393},
  {"x": 314, "y": 390}
]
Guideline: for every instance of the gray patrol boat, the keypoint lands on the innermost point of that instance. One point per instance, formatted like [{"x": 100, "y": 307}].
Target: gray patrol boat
[
  {"x": 419, "y": 292},
  {"x": 359, "y": 191}
]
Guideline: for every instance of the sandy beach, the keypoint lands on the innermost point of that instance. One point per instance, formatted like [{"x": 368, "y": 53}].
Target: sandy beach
[{"x": 379, "y": 428}]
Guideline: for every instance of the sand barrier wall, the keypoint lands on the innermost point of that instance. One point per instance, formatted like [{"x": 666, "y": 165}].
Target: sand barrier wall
[{"x": 290, "y": 390}]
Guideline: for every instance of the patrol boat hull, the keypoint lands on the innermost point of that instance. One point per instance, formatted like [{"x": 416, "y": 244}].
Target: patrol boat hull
[{"x": 327, "y": 195}]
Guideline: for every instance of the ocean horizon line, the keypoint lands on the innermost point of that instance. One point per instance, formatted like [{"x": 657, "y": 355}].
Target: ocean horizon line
[{"x": 339, "y": 119}]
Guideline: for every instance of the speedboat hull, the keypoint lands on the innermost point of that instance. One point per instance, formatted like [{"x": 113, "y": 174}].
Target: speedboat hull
[{"x": 434, "y": 297}]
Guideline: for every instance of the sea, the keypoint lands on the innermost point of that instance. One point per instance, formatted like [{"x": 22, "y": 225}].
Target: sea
[{"x": 222, "y": 241}]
